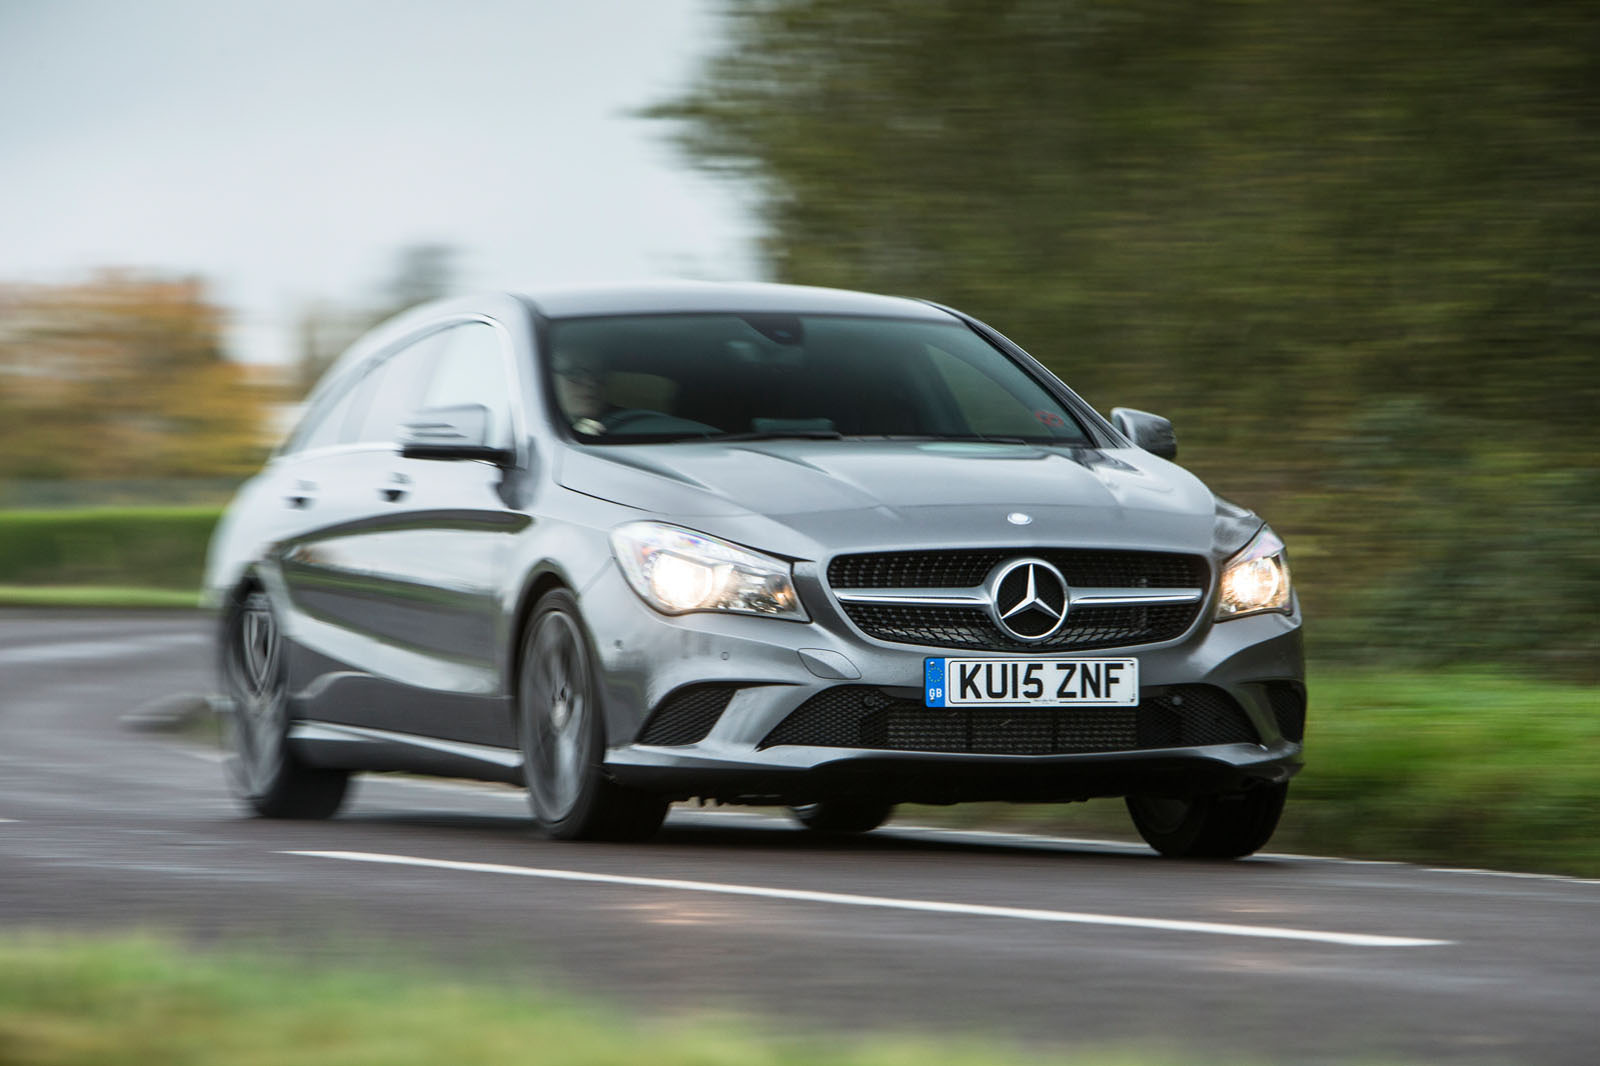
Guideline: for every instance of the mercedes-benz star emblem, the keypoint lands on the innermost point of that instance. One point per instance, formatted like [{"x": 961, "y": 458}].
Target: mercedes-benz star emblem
[{"x": 1028, "y": 599}]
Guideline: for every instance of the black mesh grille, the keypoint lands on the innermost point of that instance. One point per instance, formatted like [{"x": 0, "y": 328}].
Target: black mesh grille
[
  {"x": 686, "y": 715},
  {"x": 856, "y": 716},
  {"x": 971, "y": 627},
  {"x": 1288, "y": 701},
  {"x": 1186, "y": 716},
  {"x": 1089, "y": 568}
]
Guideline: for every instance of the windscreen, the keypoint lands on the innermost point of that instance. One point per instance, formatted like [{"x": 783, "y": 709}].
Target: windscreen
[{"x": 642, "y": 378}]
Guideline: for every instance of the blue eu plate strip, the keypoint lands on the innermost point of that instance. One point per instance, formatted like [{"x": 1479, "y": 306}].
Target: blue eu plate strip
[{"x": 933, "y": 682}]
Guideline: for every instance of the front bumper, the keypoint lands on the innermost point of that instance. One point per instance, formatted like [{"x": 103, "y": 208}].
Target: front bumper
[{"x": 771, "y": 668}]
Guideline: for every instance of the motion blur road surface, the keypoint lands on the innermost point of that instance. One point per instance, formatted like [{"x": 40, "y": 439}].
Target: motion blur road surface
[{"x": 1281, "y": 958}]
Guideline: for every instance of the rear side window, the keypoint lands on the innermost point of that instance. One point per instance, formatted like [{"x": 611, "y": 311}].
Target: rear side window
[{"x": 327, "y": 423}]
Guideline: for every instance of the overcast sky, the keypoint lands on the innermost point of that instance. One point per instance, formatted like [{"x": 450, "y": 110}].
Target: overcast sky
[{"x": 285, "y": 149}]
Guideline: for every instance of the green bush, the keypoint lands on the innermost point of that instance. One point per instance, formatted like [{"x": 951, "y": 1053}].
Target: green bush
[{"x": 150, "y": 547}]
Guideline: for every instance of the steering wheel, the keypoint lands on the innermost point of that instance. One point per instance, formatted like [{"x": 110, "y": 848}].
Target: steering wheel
[{"x": 614, "y": 419}]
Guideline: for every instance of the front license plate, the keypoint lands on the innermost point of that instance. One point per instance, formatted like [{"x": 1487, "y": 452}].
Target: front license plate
[{"x": 1031, "y": 683}]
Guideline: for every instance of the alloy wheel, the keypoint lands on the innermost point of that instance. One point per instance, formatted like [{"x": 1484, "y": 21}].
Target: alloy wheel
[
  {"x": 260, "y": 695},
  {"x": 557, "y": 705}
]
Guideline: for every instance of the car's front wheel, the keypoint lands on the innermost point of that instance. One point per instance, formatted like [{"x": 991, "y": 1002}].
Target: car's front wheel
[
  {"x": 562, "y": 726},
  {"x": 1227, "y": 826},
  {"x": 263, "y": 771}
]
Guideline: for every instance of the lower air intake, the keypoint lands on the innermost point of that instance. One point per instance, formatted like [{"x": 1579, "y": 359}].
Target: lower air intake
[
  {"x": 859, "y": 716},
  {"x": 686, "y": 715},
  {"x": 1288, "y": 701}
]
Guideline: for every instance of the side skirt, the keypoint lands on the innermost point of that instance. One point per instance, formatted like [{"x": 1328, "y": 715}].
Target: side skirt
[{"x": 349, "y": 747}]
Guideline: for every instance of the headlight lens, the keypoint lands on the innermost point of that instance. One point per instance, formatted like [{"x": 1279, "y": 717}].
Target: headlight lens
[
  {"x": 677, "y": 570},
  {"x": 1257, "y": 579}
]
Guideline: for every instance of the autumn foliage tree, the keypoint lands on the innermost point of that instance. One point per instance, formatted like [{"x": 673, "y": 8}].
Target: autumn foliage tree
[{"x": 122, "y": 376}]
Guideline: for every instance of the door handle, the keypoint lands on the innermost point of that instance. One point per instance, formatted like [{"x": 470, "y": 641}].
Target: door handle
[
  {"x": 302, "y": 496},
  {"x": 397, "y": 488}
]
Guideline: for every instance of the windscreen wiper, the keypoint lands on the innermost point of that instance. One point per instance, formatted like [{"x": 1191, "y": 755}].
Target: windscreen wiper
[
  {"x": 774, "y": 434},
  {"x": 981, "y": 437}
]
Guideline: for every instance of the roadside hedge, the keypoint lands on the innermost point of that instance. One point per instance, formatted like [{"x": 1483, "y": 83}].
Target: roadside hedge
[{"x": 151, "y": 547}]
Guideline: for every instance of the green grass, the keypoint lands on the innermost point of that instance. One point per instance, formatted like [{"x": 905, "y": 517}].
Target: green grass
[
  {"x": 1462, "y": 767},
  {"x": 137, "y": 1001},
  {"x": 94, "y": 596},
  {"x": 1455, "y": 767}
]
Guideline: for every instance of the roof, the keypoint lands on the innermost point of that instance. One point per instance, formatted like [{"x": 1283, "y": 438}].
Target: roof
[{"x": 687, "y": 297}]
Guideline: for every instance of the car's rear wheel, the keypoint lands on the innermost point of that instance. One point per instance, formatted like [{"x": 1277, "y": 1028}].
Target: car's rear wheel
[
  {"x": 842, "y": 816},
  {"x": 1227, "y": 826},
  {"x": 562, "y": 725},
  {"x": 263, "y": 771}
]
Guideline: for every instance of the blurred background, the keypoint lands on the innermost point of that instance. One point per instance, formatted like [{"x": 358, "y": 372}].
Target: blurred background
[{"x": 1351, "y": 249}]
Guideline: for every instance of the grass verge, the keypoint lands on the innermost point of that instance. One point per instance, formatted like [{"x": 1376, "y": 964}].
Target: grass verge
[
  {"x": 95, "y": 596},
  {"x": 1455, "y": 767},
  {"x": 128, "y": 1001}
]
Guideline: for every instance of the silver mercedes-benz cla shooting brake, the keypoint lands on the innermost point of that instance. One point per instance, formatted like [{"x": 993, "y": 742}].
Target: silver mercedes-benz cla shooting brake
[{"x": 756, "y": 544}]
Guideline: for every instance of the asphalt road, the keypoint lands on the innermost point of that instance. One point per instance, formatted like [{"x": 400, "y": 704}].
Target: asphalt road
[{"x": 1279, "y": 958}]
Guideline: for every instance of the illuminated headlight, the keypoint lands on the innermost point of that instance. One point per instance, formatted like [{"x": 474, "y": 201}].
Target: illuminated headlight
[
  {"x": 1257, "y": 579},
  {"x": 676, "y": 571}
]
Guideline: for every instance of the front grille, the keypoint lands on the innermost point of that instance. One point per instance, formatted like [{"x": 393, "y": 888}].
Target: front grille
[
  {"x": 859, "y": 716},
  {"x": 972, "y": 628},
  {"x": 1288, "y": 701},
  {"x": 963, "y": 568},
  {"x": 686, "y": 715}
]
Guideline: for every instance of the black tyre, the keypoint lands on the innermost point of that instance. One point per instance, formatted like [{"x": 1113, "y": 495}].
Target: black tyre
[
  {"x": 562, "y": 726},
  {"x": 842, "y": 816},
  {"x": 1228, "y": 826},
  {"x": 262, "y": 771}
]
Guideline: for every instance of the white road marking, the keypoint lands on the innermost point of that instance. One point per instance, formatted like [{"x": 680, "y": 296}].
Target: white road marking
[
  {"x": 1014, "y": 838},
  {"x": 9, "y": 821},
  {"x": 102, "y": 650},
  {"x": 1511, "y": 873},
  {"x": 927, "y": 906},
  {"x": 778, "y": 820}
]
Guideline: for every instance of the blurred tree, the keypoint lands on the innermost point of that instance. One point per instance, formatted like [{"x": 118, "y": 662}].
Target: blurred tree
[
  {"x": 422, "y": 272},
  {"x": 419, "y": 273},
  {"x": 322, "y": 332},
  {"x": 1351, "y": 249},
  {"x": 122, "y": 377}
]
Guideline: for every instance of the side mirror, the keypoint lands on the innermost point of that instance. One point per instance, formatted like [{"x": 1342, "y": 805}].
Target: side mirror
[
  {"x": 1150, "y": 432},
  {"x": 460, "y": 431}
]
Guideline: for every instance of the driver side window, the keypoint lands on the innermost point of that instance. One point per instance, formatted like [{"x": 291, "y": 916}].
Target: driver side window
[{"x": 472, "y": 368}]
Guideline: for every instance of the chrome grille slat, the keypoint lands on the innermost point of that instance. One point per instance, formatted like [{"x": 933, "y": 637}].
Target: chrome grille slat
[{"x": 1116, "y": 597}]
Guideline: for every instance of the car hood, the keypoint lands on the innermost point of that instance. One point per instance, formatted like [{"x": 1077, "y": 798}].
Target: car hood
[{"x": 807, "y": 498}]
